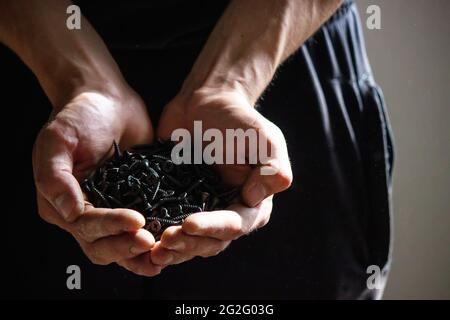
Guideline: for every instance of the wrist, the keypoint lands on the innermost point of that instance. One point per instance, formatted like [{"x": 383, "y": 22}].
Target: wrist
[
  {"x": 247, "y": 73},
  {"x": 66, "y": 79},
  {"x": 195, "y": 102},
  {"x": 194, "y": 90},
  {"x": 236, "y": 80}
]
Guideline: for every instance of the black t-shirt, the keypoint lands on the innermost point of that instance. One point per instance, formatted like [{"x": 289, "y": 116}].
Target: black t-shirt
[{"x": 152, "y": 24}]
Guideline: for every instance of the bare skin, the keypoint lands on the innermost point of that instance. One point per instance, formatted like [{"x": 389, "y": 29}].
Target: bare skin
[{"x": 93, "y": 105}]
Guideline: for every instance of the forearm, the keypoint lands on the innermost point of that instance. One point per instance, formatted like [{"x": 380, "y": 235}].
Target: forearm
[
  {"x": 66, "y": 62},
  {"x": 251, "y": 40}
]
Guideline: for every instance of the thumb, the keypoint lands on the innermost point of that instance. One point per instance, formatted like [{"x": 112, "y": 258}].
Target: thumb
[
  {"x": 52, "y": 166},
  {"x": 273, "y": 176}
]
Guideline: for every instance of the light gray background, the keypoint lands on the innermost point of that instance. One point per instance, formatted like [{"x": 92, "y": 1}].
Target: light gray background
[{"x": 410, "y": 59}]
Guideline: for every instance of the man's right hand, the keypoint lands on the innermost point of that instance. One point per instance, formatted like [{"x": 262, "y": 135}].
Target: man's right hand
[
  {"x": 93, "y": 106},
  {"x": 71, "y": 145}
]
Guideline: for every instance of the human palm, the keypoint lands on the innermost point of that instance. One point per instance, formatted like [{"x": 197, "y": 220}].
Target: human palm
[
  {"x": 75, "y": 141},
  {"x": 206, "y": 234}
]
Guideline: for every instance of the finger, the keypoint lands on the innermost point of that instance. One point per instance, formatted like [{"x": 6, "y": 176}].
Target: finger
[
  {"x": 116, "y": 248},
  {"x": 273, "y": 175},
  {"x": 176, "y": 247},
  {"x": 141, "y": 265},
  {"x": 165, "y": 257},
  {"x": 52, "y": 165},
  {"x": 49, "y": 214},
  {"x": 228, "y": 224},
  {"x": 96, "y": 223}
]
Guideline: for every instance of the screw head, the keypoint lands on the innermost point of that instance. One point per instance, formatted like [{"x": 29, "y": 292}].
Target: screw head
[
  {"x": 154, "y": 226},
  {"x": 168, "y": 166}
]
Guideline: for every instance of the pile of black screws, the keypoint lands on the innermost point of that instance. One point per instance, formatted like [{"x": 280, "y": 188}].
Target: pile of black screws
[{"x": 145, "y": 179}]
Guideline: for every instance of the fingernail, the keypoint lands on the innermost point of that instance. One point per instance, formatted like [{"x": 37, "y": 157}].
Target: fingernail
[
  {"x": 63, "y": 205},
  {"x": 132, "y": 228},
  {"x": 256, "y": 194}
]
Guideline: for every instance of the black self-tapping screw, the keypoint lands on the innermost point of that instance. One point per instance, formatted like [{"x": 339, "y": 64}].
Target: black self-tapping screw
[{"x": 145, "y": 179}]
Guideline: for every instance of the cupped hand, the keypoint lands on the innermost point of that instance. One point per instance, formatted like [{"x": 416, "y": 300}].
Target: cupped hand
[
  {"x": 76, "y": 140},
  {"x": 208, "y": 233}
]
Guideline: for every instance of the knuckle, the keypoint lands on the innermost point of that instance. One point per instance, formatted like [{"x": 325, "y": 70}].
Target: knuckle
[
  {"x": 215, "y": 250},
  {"x": 49, "y": 133},
  {"x": 120, "y": 252},
  {"x": 206, "y": 255},
  {"x": 285, "y": 179},
  {"x": 125, "y": 265},
  {"x": 277, "y": 130},
  {"x": 95, "y": 257},
  {"x": 190, "y": 246},
  {"x": 169, "y": 236},
  {"x": 82, "y": 229},
  {"x": 98, "y": 261},
  {"x": 190, "y": 226},
  {"x": 110, "y": 223},
  {"x": 139, "y": 270},
  {"x": 263, "y": 222},
  {"x": 42, "y": 180},
  {"x": 234, "y": 231},
  {"x": 209, "y": 253},
  {"x": 52, "y": 132},
  {"x": 274, "y": 133},
  {"x": 46, "y": 216},
  {"x": 149, "y": 273}
]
